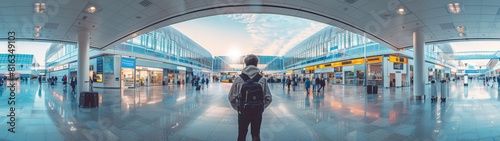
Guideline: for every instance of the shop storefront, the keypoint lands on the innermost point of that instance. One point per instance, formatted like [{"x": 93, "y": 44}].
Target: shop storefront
[
  {"x": 396, "y": 72},
  {"x": 374, "y": 69},
  {"x": 176, "y": 76},
  {"x": 59, "y": 72},
  {"x": 128, "y": 72},
  {"x": 354, "y": 71},
  {"x": 338, "y": 75},
  {"x": 148, "y": 76}
]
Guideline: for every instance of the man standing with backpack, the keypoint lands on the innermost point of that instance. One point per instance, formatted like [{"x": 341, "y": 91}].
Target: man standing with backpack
[{"x": 250, "y": 95}]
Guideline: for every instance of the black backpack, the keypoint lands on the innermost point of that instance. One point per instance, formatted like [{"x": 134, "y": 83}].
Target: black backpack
[{"x": 251, "y": 99}]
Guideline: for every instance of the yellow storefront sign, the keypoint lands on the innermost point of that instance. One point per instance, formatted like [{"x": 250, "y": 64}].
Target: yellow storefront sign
[
  {"x": 344, "y": 63},
  {"x": 374, "y": 59},
  {"x": 398, "y": 59}
]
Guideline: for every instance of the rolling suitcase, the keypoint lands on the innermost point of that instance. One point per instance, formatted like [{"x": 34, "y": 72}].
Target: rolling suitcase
[
  {"x": 198, "y": 87},
  {"x": 375, "y": 89},
  {"x": 82, "y": 99},
  {"x": 89, "y": 99},
  {"x": 93, "y": 100},
  {"x": 369, "y": 89}
]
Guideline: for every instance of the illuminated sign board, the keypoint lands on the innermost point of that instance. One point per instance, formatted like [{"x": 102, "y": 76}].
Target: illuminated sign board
[
  {"x": 398, "y": 59},
  {"x": 337, "y": 69},
  {"x": 60, "y": 67},
  {"x": 374, "y": 59},
  {"x": 472, "y": 71},
  {"x": 346, "y": 63},
  {"x": 182, "y": 68},
  {"x": 398, "y": 66}
]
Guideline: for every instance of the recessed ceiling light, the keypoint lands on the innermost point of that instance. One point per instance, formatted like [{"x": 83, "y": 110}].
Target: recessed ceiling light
[
  {"x": 36, "y": 35},
  {"x": 91, "y": 9},
  {"x": 401, "y": 11},
  {"x": 454, "y": 8},
  {"x": 461, "y": 34},
  {"x": 38, "y": 28},
  {"x": 460, "y": 28},
  {"x": 40, "y": 7}
]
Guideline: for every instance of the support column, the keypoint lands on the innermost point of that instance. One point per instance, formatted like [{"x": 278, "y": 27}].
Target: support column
[
  {"x": 419, "y": 63},
  {"x": 83, "y": 62}
]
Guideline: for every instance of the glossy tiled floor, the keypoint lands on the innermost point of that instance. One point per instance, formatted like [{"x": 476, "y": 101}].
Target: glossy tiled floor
[{"x": 180, "y": 113}]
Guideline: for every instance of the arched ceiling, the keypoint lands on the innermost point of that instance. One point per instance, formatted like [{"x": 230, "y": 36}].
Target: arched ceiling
[{"x": 120, "y": 20}]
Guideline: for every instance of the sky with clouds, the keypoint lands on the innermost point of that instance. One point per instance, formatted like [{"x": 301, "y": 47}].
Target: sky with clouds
[
  {"x": 240, "y": 34},
  {"x": 38, "y": 49}
]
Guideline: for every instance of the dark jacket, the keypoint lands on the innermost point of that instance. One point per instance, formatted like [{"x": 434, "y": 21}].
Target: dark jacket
[{"x": 308, "y": 82}]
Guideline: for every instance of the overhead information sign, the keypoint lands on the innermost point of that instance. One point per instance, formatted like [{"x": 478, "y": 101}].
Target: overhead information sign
[
  {"x": 472, "y": 71},
  {"x": 374, "y": 59},
  {"x": 398, "y": 59}
]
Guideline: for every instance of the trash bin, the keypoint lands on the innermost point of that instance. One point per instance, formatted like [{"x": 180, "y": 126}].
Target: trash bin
[
  {"x": 444, "y": 90},
  {"x": 433, "y": 90}
]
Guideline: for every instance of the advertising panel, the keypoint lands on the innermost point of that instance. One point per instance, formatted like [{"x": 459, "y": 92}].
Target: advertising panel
[
  {"x": 337, "y": 69},
  {"x": 472, "y": 71},
  {"x": 107, "y": 65},
  {"x": 99, "y": 65},
  {"x": 128, "y": 63},
  {"x": 398, "y": 66}
]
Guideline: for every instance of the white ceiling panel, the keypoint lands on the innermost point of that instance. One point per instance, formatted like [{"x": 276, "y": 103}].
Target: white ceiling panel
[
  {"x": 110, "y": 5},
  {"x": 68, "y": 13},
  {"x": 489, "y": 10},
  {"x": 152, "y": 10},
  {"x": 472, "y": 9},
  {"x": 24, "y": 10},
  {"x": 488, "y": 18},
  {"x": 128, "y": 11},
  {"x": 7, "y": 3}
]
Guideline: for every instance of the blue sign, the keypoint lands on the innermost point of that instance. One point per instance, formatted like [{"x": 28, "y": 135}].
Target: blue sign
[
  {"x": 398, "y": 66},
  {"x": 472, "y": 71},
  {"x": 334, "y": 48},
  {"x": 128, "y": 63},
  {"x": 107, "y": 63},
  {"x": 99, "y": 65},
  {"x": 338, "y": 75}
]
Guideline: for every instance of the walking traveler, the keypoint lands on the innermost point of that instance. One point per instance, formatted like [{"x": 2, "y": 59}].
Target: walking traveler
[
  {"x": 288, "y": 82},
  {"x": 250, "y": 95},
  {"x": 322, "y": 84},
  {"x": 318, "y": 83},
  {"x": 314, "y": 83},
  {"x": 307, "y": 84},
  {"x": 206, "y": 80},
  {"x": 283, "y": 81},
  {"x": 73, "y": 84}
]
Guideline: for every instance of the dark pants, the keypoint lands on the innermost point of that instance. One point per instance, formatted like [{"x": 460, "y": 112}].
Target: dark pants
[
  {"x": 307, "y": 89},
  {"x": 321, "y": 86},
  {"x": 243, "y": 123}
]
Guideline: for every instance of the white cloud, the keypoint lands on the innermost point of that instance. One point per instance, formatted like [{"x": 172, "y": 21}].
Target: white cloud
[{"x": 276, "y": 34}]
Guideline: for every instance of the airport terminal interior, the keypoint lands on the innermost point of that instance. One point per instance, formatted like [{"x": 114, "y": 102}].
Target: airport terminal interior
[{"x": 166, "y": 70}]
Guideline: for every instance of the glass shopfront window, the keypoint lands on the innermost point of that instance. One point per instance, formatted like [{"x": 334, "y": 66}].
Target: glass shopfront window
[{"x": 147, "y": 76}]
